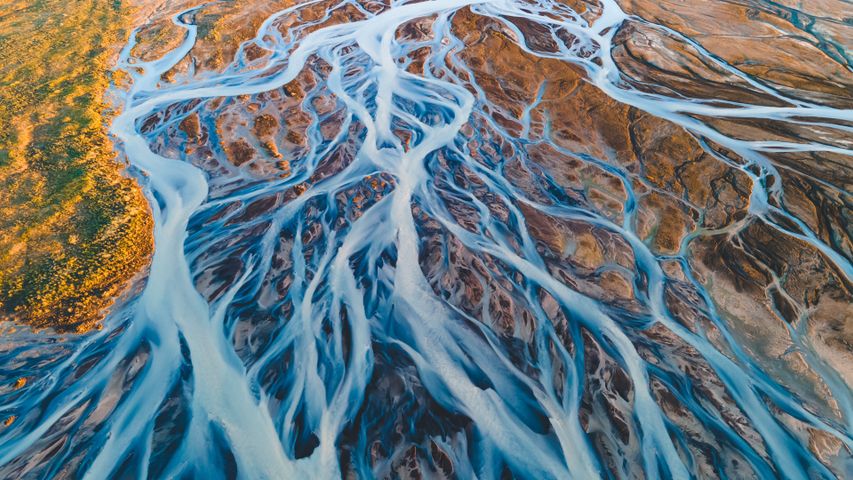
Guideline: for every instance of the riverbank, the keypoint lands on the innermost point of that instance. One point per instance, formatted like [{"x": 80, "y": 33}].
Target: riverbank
[{"x": 74, "y": 229}]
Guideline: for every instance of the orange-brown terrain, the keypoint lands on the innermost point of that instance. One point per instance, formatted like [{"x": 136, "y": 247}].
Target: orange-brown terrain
[{"x": 74, "y": 229}]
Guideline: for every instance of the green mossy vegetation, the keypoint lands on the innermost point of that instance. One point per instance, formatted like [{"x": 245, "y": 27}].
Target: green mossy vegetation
[{"x": 73, "y": 229}]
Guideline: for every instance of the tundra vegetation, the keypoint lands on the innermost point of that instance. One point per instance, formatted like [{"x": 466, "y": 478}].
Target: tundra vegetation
[{"x": 73, "y": 228}]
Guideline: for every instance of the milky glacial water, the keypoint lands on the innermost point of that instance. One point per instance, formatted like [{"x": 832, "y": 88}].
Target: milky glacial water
[{"x": 335, "y": 348}]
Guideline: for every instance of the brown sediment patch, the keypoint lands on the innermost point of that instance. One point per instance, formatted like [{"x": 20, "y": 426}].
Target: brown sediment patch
[
  {"x": 762, "y": 40},
  {"x": 191, "y": 126},
  {"x": 265, "y": 125},
  {"x": 240, "y": 152},
  {"x": 746, "y": 275}
]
